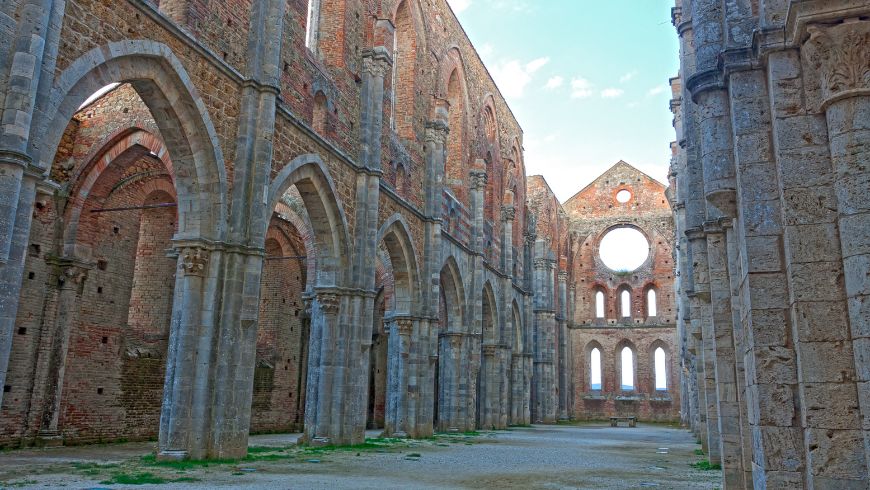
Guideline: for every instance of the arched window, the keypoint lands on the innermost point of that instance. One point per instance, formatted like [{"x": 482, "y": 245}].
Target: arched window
[
  {"x": 599, "y": 304},
  {"x": 625, "y": 304},
  {"x": 661, "y": 370},
  {"x": 318, "y": 119},
  {"x": 627, "y": 358},
  {"x": 455, "y": 167},
  {"x": 595, "y": 369},
  {"x": 312, "y": 25},
  {"x": 651, "y": 307}
]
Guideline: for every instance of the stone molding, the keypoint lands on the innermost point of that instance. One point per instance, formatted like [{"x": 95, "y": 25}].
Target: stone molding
[
  {"x": 840, "y": 57},
  {"x": 194, "y": 261},
  {"x": 563, "y": 276}
]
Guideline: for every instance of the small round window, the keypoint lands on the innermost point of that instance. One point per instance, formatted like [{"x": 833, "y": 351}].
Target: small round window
[
  {"x": 623, "y": 249},
  {"x": 623, "y": 196}
]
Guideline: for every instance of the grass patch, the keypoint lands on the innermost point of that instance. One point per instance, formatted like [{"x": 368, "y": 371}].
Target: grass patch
[
  {"x": 143, "y": 478},
  {"x": 415, "y": 455},
  {"x": 706, "y": 465},
  {"x": 699, "y": 452}
]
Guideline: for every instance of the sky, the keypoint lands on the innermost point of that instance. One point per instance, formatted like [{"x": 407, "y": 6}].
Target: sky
[{"x": 586, "y": 79}]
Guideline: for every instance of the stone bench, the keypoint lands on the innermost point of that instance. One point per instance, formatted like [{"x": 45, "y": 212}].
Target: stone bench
[{"x": 632, "y": 421}]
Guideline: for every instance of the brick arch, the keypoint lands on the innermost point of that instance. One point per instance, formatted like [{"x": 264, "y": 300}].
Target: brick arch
[
  {"x": 453, "y": 87},
  {"x": 617, "y": 363},
  {"x": 454, "y": 294},
  {"x": 325, "y": 214},
  {"x": 587, "y": 363},
  {"x": 395, "y": 236},
  {"x": 656, "y": 344},
  {"x": 300, "y": 223},
  {"x": 129, "y": 145},
  {"x": 162, "y": 83}
]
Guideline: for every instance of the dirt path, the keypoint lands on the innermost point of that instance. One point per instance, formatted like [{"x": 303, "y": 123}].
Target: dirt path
[{"x": 585, "y": 456}]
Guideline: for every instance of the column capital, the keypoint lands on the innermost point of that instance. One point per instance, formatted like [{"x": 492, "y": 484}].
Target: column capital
[
  {"x": 436, "y": 132},
  {"x": 478, "y": 180},
  {"x": 840, "y": 57},
  {"x": 194, "y": 261},
  {"x": 329, "y": 302},
  {"x": 508, "y": 213},
  {"x": 377, "y": 61}
]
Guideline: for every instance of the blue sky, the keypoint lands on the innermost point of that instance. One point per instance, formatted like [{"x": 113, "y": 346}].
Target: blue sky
[{"x": 587, "y": 80}]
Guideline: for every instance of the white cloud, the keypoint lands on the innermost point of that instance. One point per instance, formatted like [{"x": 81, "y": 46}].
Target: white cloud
[
  {"x": 485, "y": 50},
  {"x": 628, "y": 76},
  {"x": 512, "y": 76},
  {"x": 459, "y": 5},
  {"x": 610, "y": 93},
  {"x": 580, "y": 88},
  {"x": 554, "y": 83},
  {"x": 657, "y": 90}
]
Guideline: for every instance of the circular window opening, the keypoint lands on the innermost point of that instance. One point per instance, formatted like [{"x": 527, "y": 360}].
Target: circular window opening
[
  {"x": 623, "y": 196},
  {"x": 623, "y": 249}
]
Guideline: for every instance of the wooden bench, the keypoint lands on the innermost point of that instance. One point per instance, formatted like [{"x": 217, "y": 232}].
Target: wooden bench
[{"x": 632, "y": 421}]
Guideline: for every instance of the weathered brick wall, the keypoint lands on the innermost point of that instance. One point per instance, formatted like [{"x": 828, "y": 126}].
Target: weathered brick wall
[{"x": 644, "y": 402}]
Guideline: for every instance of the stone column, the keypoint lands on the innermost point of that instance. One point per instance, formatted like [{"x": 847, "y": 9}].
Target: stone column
[
  {"x": 183, "y": 427},
  {"x": 71, "y": 279},
  {"x": 544, "y": 404},
  {"x": 457, "y": 353},
  {"x": 437, "y": 132},
  {"x": 725, "y": 354},
  {"x": 562, "y": 327},
  {"x": 838, "y": 59},
  {"x": 828, "y": 433},
  {"x": 400, "y": 380},
  {"x": 506, "y": 398},
  {"x": 31, "y": 65}
]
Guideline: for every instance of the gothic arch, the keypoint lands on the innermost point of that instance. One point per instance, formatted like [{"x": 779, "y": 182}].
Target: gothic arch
[
  {"x": 396, "y": 237},
  {"x": 617, "y": 363},
  {"x": 655, "y": 345},
  {"x": 587, "y": 363},
  {"x": 518, "y": 327},
  {"x": 454, "y": 296},
  {"x": 162, "y": 83},
  {"x": 404, "y": 80},
  {"x": 130, "y": 146},
  {"x": 325, "y": 215},
  {"x": 489, "y": 315}
]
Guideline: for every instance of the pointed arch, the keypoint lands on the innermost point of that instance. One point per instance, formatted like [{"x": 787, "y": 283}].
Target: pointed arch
[
  {"x": 325, "y": 214},
  {"x": 518, "y": 327},
  {"x": 453, "y": 87},
  {"x": 594, "y": 362},
  {"x": 396, "y": 236},
  {"x": 489, "y": 318},
  {"x": 659, "y": 368},
  {"x": 625, "y": 360},
  {"x": 131, "y": 145},
  {"x": 162, "y": 83},
  {"x": 453, "y": 295}
]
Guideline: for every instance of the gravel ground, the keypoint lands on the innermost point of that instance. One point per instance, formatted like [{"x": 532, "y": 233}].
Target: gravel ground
[{"x": 591, "y": 456}]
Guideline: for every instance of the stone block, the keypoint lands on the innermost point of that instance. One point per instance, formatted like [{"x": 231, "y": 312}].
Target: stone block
[
  {"x": 855, "y": 234},
  {"x": 831, "y": 406},
  {"x": 812, "y": 243},
  {"x": 775, "y": 365},
  {"x": 816, "y": 281},
  {"x": 821, "y": 321},
  {"x": 859, "y": 314},
  {"x": 809, "y": 205},
  {"x": 769, "y": 327},
  {"x": 776, "y": 405},
  {"x": 764, "y": 253},
  {"x": 857, "y": 272},
  {"x": 836, "y": 457},
  {"x": 783, "y": 449}
]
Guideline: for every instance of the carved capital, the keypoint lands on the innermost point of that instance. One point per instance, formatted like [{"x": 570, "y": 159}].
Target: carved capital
[
  {"x": 329, "y": 303},
  {"x": 478, "y": 180},
  {"x": 563, "y": 276},
  {"x": 404, "y": 326},
  {"x": 194, "y": 261},
  {"x": 840, "y": 56},
  {"x": 508, "y": 213},
  {"x": 530, "y": 238},
  {"x": 436, "y": 132},
  {"x": 377, "y": 62}
]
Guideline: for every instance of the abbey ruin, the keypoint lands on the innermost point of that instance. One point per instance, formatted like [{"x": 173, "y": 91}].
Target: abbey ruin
[{"x": 220, "y": 219}]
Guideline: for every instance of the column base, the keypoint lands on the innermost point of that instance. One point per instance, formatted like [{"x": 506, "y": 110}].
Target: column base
[
  {"x": 172, "y": 455},
  {"x": 49, "y": 438}
]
